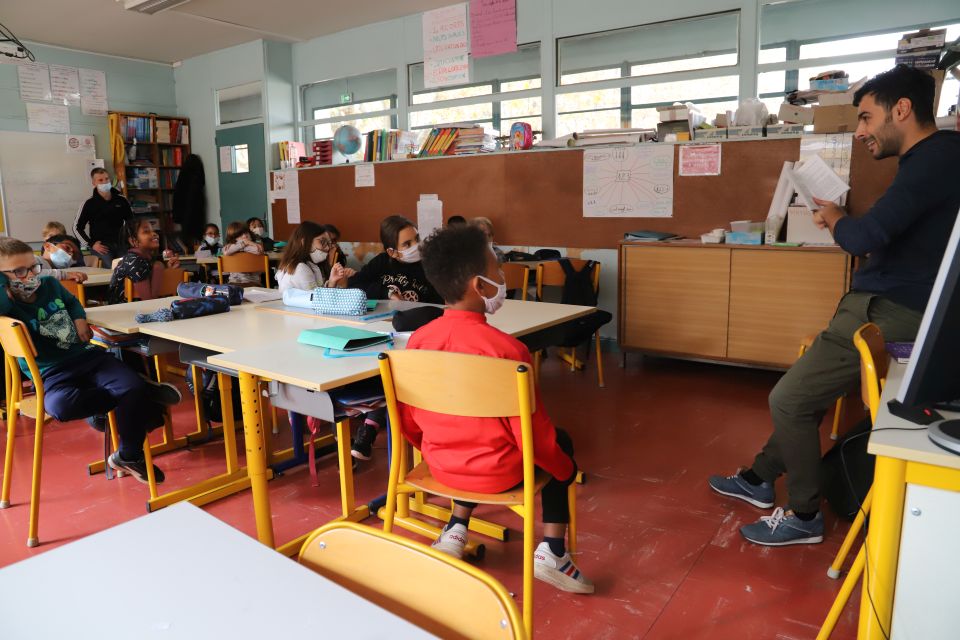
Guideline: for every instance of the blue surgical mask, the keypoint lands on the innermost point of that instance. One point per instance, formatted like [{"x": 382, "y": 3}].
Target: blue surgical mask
[
  {"x": 104, "y": 188},
  {"x": 60, "y": 259}
]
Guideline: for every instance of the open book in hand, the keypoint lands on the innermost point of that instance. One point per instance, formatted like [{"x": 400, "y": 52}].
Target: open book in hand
[{"x": 813, "y": 178}]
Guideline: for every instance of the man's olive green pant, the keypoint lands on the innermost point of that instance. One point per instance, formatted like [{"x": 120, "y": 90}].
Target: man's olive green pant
[{"x": 830, "y": 367}]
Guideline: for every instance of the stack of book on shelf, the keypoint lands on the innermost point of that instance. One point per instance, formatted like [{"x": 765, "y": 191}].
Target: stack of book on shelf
[
  {"x": 172, "y": 157},
  {"x": 169, "y": 178},
  {"x": 290, "y": 153},
  {"x": 136, "y": 128},
  {"x": 144, "y": 203},
  {"x": 440, "y": 142},
  {"x": 474, "y": 140},
  {"x": 142, "y": 177},
  {"x": 172, "y": 132},
  {"x": 381, "y": 144}
]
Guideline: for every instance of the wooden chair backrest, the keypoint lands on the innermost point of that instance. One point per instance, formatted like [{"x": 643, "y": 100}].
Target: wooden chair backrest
[
  {"x": 551, "y": 274},
  {"x": 458, "y": 384},
  {"x": 92, "y": 260},
  {"x": 517, "y": 276},
  {"x": 874, "y": 362},
  {"x": 170, "y": 280},
  {"x": 77, "y": 289},
  {"x": 244, "y": 263},
  {"x": 445, "y": 596},
  {"x": 17, "y": 343}
]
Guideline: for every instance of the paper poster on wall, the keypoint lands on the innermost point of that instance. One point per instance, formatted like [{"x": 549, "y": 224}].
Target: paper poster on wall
[
  {"x": 429, "y": 214},
  {"x": 65, "y": 85},
  {"x": 700, "y": 159},
  {"x": 226, "y": 160},
  {"x": 445, "y": 60},
  {"x": 286, "y": 186},
  {"x": 493, "y": 27},
  {"x": 93, "y": 92},
  {"x": 81, "y": 144},
  {"x": 628, "y": 182},
  {"x": 363, "y": 175},
  {"x": 34, "y": 80},
  {"x": 47, "y": 118}
]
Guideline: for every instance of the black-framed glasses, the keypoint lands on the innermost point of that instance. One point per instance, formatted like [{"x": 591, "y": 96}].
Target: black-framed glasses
[{"x": 22, "y": 272}]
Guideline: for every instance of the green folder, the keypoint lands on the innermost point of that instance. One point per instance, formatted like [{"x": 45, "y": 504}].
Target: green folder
[{"x": 342, "y": 338}]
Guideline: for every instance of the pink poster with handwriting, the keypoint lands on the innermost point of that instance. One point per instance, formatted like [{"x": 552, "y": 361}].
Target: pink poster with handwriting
[{"x": 493, "y": 27}]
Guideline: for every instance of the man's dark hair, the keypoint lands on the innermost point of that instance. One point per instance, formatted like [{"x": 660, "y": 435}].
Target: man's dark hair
[
  {"x": 390, "y": 230},
  {"x": 97, "y": 170},
  {"x": 453, "y": 221},
  {"x": 451, "y": 257},
  {"x": 902, "y": 82}
]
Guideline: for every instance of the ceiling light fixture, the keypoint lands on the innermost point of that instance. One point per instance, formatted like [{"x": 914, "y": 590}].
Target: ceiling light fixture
[{"x": 151, "y": 6}]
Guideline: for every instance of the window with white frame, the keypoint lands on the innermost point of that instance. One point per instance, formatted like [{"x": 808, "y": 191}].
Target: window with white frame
[
  {"x": 367, "y": 102},
  {"x": 504, "y": 89},
  {"x": 617, "y": 78},
  {"x": 814, "y": 37}
]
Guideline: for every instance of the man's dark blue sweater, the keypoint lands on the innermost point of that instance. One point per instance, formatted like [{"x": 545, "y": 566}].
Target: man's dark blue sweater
[{"x": 905, "y": 233}]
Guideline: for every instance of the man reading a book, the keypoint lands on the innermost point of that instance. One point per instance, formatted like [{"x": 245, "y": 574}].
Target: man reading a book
[
  {"x": 900, "y": 241},
  {"x": 101, "y": 217}
]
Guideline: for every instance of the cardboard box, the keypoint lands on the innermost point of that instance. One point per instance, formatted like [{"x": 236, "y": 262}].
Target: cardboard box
[
  {"x": 744, "y": 132},
  {"x": 795, "y": 113},
  {"x": 710, "y": 134},
  {"x": 838, "y": 118},
  {"x": 801, "y": 228},
  {"x": 784, "y": 130},
  {"x": 746, "y": 226},
  {"x": 739, "y": 237},
  {"x": 722, "y": 120}
]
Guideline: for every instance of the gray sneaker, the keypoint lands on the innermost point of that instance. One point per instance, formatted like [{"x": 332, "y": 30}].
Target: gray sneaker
[
  {"x": 736, "y": 487},
  {"x": 782, "y": 528}
]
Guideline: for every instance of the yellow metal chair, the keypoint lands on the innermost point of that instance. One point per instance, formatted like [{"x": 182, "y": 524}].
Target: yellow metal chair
[
  {"x": 464, "y": 385},
  {"x": 244, "y": 263},
  {"x": 517, "y": 277},
  {"x": 551, "y": 274},
  {"x": 838, "y": 407},
  {"x": 874, "y": 363},
  {"x": 77, "y": 290},
  {"x": 16, "y": 343},
  {"x": 443, "y": 595}
]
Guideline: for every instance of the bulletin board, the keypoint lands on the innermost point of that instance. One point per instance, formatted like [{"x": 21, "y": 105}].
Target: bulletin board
[{"x": 535, "y": 198}]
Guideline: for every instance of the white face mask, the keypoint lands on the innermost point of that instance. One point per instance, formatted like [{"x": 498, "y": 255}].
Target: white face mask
[
  {"x": 257, "y": 231},
  {"x": 318, "y": 256},
  {"x": 60, "y": 259},
  {"x": 493, "y": 304},
  {"x": 410, "y": 255},
  {"x": 104, "y": 187}
]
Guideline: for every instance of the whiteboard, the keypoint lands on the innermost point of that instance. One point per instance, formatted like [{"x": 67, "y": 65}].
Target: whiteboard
[{"x": 40, "y": 181}]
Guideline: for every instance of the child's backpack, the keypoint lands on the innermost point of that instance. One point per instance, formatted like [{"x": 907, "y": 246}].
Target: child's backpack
[
  {"x": 578, "y": 289},
  {"x": 210, "y": 395}
]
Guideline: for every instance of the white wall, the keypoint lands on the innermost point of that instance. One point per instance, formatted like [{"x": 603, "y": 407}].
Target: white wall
[{"x": 196, "y": 82}]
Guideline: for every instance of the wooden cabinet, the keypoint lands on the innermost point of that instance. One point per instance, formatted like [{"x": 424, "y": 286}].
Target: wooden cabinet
[{"x": 747, "y": 305}]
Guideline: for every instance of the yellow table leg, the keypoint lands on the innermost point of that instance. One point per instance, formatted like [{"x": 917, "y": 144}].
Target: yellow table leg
[
  {"x": 883, "y": 548},
  {"x": 256, "y": 457},
  {"x": 229, "y": 425}
]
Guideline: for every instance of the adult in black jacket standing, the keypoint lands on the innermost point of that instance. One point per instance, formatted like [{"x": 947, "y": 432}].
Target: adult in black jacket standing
[{"x": 104, "y": 213}]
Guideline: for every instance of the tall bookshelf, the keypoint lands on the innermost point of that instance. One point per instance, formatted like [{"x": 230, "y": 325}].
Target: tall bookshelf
[{"x": 148, "y": 151}]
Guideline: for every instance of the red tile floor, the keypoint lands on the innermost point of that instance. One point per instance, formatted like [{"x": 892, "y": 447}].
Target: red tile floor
[{"x": 663, "y": 550}]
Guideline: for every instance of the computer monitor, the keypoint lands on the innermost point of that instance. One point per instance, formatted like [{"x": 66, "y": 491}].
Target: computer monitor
[{"x": 933, "y": 373}]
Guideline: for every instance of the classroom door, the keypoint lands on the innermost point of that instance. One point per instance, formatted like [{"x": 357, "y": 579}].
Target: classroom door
[{"x": 243, "y": 189}]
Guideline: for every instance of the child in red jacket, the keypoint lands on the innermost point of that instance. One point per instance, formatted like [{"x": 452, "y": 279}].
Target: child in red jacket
[{"x": 484, "y": 454}]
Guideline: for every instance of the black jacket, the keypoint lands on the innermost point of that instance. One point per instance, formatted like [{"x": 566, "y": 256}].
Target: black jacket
[
  {"x": 383, "y": 272},
  {"x": 105, "y": 217}
]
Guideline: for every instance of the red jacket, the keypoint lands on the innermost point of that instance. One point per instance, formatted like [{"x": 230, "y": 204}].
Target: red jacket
[{"x": 478, "y": 454}]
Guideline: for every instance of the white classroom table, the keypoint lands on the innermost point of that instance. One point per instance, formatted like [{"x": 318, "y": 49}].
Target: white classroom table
[
  {"x": 262, "y": 345},
  {"x": 181, "y": 573},
  {"x": 96, "y": 276},
  {"x": 914, "y": 569}
]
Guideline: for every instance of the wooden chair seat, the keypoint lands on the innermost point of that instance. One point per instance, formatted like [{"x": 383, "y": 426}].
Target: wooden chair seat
[
  {"x": 28, "y": 407},
  {"x": 421, "y": 478}
]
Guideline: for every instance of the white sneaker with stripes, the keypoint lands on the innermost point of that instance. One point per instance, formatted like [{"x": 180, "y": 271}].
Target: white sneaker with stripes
[{"x": 561, "y": 572}]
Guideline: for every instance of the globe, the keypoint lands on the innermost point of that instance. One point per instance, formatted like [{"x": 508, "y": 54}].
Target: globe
[{"x": 346, "y": 140}]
